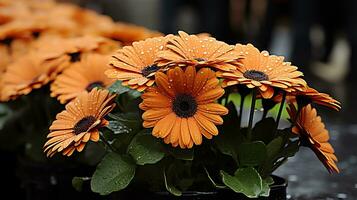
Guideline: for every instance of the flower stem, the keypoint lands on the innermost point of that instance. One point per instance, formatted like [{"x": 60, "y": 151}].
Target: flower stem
[
  {"x": 241, "y": 109},
  {"x": 280, "y": 110},
  {"x": 265, "y": 113},
  {"x": 296, "y": 116},
  {"x": 251, "y": 115},
  {"x": 105, "y": 141},
  {"x": 225, "y": 96}
]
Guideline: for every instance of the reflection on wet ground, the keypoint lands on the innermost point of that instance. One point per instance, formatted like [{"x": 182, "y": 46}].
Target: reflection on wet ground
[{"x": 307, "y": 177}]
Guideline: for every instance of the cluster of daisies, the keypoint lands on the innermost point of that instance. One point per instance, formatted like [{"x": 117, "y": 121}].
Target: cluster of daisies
[
  {"x": 65, "y": 47},
  {"x": 181, "y": 77}
]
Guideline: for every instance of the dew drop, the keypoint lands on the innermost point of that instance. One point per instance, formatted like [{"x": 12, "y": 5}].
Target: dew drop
[{"x": 265, "y": 53}]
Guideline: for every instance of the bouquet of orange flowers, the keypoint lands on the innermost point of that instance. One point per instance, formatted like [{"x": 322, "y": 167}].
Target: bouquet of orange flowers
[{"x": 175, "y": 112}]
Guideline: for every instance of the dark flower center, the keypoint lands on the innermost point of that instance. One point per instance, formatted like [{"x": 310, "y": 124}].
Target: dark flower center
[
  {"x": 184, "y": 105},
  {"x": 7, "y": 41},
  {"x": 149, "y": 70},
  {"x": 256, "y": 75},
  {"x": 200, "y": 59},
  {"x": 75, "y": 57},
  {"x": 94, "y": 85},
  {"x": 83, "y": 124},
  {"x": 36, "y": 34}
]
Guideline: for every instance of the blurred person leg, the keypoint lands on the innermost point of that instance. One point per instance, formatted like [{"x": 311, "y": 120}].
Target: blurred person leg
[{"x": 331, "y": 22}]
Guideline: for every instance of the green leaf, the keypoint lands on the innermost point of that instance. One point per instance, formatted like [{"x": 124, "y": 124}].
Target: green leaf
[
  {"x": 133, "y": 94},
  {"x": 230, "y": 137},
  {"x": 216, "y": 185},
  {"x": 114, "y": 173},
  {"x": 178, "y": 177},
  {"x": 127, "y": 99},
  {"x": 266, "y": 186},
  {"x": 245, "y": 180},
  {"x": 77, "y": 182},
  {"x": 290, "y": 149},
  {"x": 118, "y": 127},
  {"x": 264, "y": 130},
  {"x": 274, "y": 147},
  {"x": 127, "y": 122},
  {"x": 252, "y": 154},
  {"x": 169, "y": 186},
  {"x": 118, "y": 88},
  {"x": 145, "y": 148}
]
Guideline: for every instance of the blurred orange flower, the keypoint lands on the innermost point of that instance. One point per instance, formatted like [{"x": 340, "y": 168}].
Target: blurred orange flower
[{"x": 83, "y": 76}]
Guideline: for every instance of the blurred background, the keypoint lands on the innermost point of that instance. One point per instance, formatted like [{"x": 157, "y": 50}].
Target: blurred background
[{"x": 318, "y": 36}]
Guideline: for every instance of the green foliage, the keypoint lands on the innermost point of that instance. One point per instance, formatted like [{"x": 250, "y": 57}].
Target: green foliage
[
  {"x": 178, "y": 177},
  {"x": 180, "y": 154},
  {"x": 267, "y": 182},
  {"x": 146, "y": 149},
  {"x": 245, "y": 180},
  {"x": 124, "y": 127},
  {"x": 138, "y": 154},
  {"x": 252, "y": 153},
  {"x": 118, "y": 88},
  {"x": 229, "y": 140},
  {"x": 264, "y": 130},
  {"x": 77, "y": 182},
  {"x": 113, "y": 173},
  {"x": 124, "y": 123}
]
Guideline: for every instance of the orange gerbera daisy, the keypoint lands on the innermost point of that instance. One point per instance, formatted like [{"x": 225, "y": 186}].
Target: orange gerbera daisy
[
  {"x": 127, "y": 33},
  {"x": 82, "y": 76},
  {"x": 134, "y": 65},
  {"x": 26, "y": 74},
  {"x": 310, "y": 95},
  {"x": 79, "y": 123},
  {"x": 199, "y": 51},
  {"x": 5, "y": 57},
  {"x": 72, "y": 49},
  {"x": 264, "y": 72},
  {"x": 182, "y": 107},
  {"x": 313, "y": 134}
]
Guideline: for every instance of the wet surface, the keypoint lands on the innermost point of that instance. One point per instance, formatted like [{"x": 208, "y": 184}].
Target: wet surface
[{"x": 307, "y": 177}]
